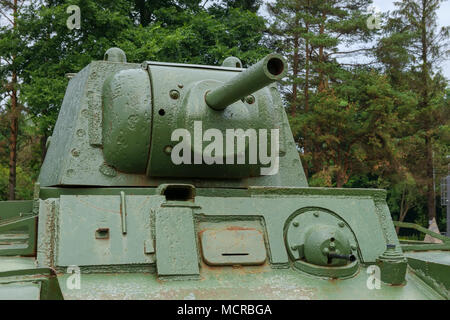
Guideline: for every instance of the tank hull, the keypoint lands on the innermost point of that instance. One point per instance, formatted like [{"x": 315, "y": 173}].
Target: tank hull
[{"x": 128, "y": 264}]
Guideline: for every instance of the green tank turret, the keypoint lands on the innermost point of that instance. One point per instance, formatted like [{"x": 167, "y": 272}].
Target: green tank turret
[{"x": 158, "y": 172}]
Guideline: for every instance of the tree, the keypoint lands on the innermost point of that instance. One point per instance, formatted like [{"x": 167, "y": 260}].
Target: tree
[
  {"x": 28, "y": 160},
  {"x": 53, "y": 50},
  {"x": 350, "y": 129},
  {"x": 311, "y": 33},
  {"x": 10, "y": 71},
  {"x": 147, "y": 11},
  {"x": 286, "y": 32},
  {"x": 245, "y": 5},
  {"x": 411, "y": 51},
  {"x": 206, "y": 37}
]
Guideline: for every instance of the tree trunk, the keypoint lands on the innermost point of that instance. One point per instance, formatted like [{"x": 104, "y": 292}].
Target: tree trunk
[
  {"x": 339, "y": 181},
  {"x": 43, "y": 143},
  {"x": 431, "y": 201},
  {"x": 306, "y": 89},
  {"x": 13, "y": 143},
  {"x": 294, "y": 77},
  {"x": 145, "y": 14},
  {"x": 295, "y": 64},
  {"x": 341, "y": 177},
  {"x": 404, "y": 207},
  {"x": 307, "y": 56},
  {"x": 321, "y": 56},
  {"x": 306, "y": 92},
  {"x": 14, "y": 125}
]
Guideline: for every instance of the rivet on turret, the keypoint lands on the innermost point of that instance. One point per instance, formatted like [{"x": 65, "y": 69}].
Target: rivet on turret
[
  {"x": 295, "y": 224},
  {"x": 80, "y": 133},
  {"x": 250, "y": 99},
  {"x": 107, "y": 170},
  {"x": 174, "y": 94},
  {"x": 75, "y": 152},
  {"x": 168, "y": 149},
  {"x": 341, "y": 224},
  {"x": 316, "y": 214}
]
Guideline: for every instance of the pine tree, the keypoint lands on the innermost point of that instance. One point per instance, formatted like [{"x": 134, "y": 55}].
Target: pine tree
[
  {"x": 147, "y": 11},
  {"x": 411, "y": 51},
  {"x": 10, "y": 70},
  {"x": 313, "y": 33},
  {"x": 53, "y": 50}
]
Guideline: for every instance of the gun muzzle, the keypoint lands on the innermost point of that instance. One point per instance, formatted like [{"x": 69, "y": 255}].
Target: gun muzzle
[{"x": 270, "y": 69}]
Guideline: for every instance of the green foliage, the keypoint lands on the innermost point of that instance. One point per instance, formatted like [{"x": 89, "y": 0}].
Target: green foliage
[
  {"x": 203, "y": 38},
  {"x": 56, "y": 50},
  {"x": 29, "y": 157},
  {"x": 349, "y": 129},
  {"x": 24, "y": 187},
  {"x": 411, "y": 50},
  {"x": 250, "y": 5},
  {"x": 312, "y": 34}
]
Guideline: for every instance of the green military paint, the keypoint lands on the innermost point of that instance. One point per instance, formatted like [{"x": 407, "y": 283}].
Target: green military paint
[{"x": 112, "y": 203}]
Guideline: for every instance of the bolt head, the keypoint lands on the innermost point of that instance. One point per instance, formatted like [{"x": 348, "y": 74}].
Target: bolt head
[
  {"x": 168, "y": 149},
  {"x": 174, "y": 94},
  {"x": 250, "y": 99}
]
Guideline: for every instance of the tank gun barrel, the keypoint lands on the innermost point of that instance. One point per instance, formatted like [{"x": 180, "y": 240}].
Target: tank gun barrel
[{"x": 271, "y": 68}]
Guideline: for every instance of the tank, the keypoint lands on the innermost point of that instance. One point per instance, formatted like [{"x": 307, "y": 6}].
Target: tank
[{"x": 179, "y": 181}]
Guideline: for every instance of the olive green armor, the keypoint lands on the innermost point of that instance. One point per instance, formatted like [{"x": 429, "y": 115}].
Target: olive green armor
[{"x": 157, "y": 172}]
